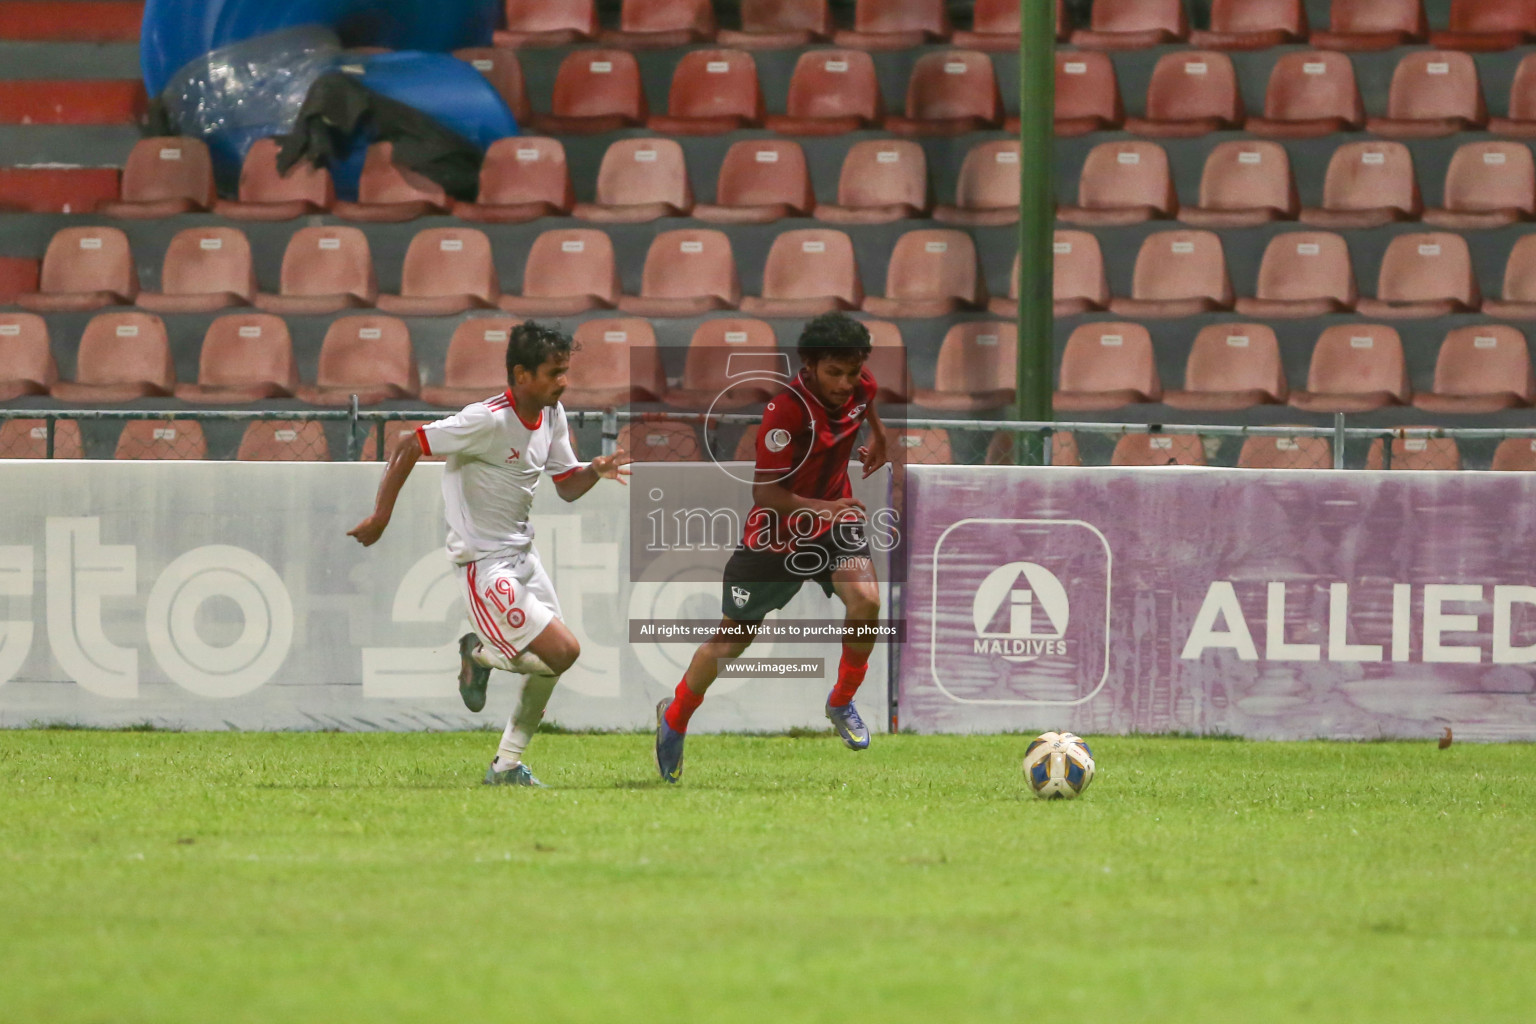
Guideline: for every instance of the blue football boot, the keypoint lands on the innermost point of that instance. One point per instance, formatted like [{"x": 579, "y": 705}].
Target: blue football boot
[
  {"x": 518, "y": 776},
  {"x": 473, "y": 676},
  {"x": 669, "y": 746},
  {"x": 849, "y": 726}
]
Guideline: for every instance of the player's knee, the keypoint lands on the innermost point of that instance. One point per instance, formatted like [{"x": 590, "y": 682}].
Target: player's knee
[
  {"x": 564, "y": 655},
  {"x": 864, "y": 604}
]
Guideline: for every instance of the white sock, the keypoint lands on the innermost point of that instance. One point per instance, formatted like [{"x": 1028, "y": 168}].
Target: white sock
[{"x": 524, "y": 721}]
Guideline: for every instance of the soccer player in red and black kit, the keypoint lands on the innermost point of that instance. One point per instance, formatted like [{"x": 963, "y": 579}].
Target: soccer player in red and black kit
[{"x": 804, "y": 525}]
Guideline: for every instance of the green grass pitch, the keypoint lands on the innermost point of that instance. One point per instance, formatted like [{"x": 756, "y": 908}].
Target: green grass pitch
[{"x": 322, "y": 877}]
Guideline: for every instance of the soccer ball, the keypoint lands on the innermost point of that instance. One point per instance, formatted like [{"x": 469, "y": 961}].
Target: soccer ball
[{"x": 1058, "y": 765}]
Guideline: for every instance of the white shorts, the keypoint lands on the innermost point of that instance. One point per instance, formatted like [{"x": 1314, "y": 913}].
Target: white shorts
[{"x": 510, "y": 600}]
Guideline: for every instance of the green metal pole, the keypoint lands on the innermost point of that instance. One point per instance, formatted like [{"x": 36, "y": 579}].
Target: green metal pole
[{"x": 1037, "y": 88}]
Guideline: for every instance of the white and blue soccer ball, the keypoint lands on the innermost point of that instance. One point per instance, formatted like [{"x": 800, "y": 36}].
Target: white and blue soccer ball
[{"x": 1058, "y": 766}]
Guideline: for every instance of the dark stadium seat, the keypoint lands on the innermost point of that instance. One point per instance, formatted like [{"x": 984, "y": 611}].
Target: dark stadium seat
[
  {"x": 1178, "y": 273},
  {"x": 1483, "y": 25},
  {"x": 1521, "y": 119},
  {"x": 995, "y": 26},
  {"x": 987, "y": 194},
  {"x": 84, "y": 268},
  {"x": 1303, "y": 273},
  {"x": 1518, "y": 297},
  {"x": 1158, "y": 450},
  {"x": 660, "y": 441},
  {"x": 284, "y": 441},
  {"x": 532, "y": 23},
  {"x": 567, "y": 271},
  {"x": 205, "y": 269},
  {"x": 713, "y": 92},
  {"x": 18, "y": 276},
  {"x": 761, "y": 181},
  {"x": 950, "y": 93},
  {"x": 446, "y": 271},
  {"x": 1514, "y": 454},
  {"x": 325, "y": 270},
  {"x": 83, "y": 101},
  {"x": 475, "y": 367},
  {"x": 1252, "y": 25},
  {"x": 266, "y": 195},
  {"x": 1232, "y": 367},
  {"x": 1192, "y": 92},
  {"x": 56, "y": 189},
  {"x": 122, "y": 356},
  {"x": 640, "y": 180},
  {"x": 919, "y": 446},
  {"x": 662, "y": 24},
  {"x": 369, "y": 356},
  {"x": 1106, "y": 366},
  {"x": 161, "y": 439},
  {"x": 27, "y": 366},
  {"x": 808, "y": 272},
  {"x": 1245, "y": 183},
  {"x": 831, "y": 92},
  {"x": 1488, "y": 185},
  {"x": 687, "y": 272},
  {"x": 1372, "y": 25},
  {"x": 1428, "y": 274},
  {"x": 1133, "y": 25},
  {"x": 1416, "y": 454},
  {"x": 976, "y": 369},
  {"x": 162, "y": 177},
  {"x": 1367, "y": 184},
  {"x": 28, "y": 439},
  {"x": 521, "y": 179},
  {"x": 896, "y": 24},
  {"x": 1434, "y": 93},
  {"x": 595, "y": 91},
  {"x": 1121, "y": 183},
  {"x": 779, "y": 25},
  {"x": 881, "y": 180},
  {"x": 1480, "y": 369},
  {"x": 1310, "y": 94},
  {"x": 1355, "y": 368},
  {"x": 1087, "y": 94},
  {"x": 616, "y": 362},
  {"x": 505, "y": 73},
  {"x": 246, "y": 357},
  {"x": 388, "y": 193},
  {"x": 931, "y": 273},
  {"x": 1269, "y": 452},
  {"x": 1078, "y": 282},
  {"x": 888, "y": 362},
  {"x": 733, "y": 360}
]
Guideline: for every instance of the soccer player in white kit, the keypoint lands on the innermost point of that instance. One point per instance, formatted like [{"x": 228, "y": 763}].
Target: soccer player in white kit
[{"x": 496, "y": 451}]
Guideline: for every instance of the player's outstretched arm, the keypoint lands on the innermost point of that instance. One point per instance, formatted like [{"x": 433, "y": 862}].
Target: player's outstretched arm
[
  {"x": 400, "y": 465},
  {"x": 604, "y": 467}
]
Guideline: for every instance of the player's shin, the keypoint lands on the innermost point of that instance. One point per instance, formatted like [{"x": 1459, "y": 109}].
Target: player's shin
[
  {"x": 850, "y": 673},
  {"x": 525, "y": 720}
]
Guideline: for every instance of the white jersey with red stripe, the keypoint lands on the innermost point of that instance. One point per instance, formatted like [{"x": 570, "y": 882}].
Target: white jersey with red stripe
[{"x": 494, "y": 461}]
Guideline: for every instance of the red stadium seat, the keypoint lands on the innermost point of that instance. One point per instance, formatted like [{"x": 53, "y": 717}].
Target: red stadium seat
[
  {"x": 1008, "y": 305},
  {"x": 687, "y": 272},
  {"x": 1519, "y": 292},
  {"x": 1270, "y": 452},
  {"x": 28, "y": 439},
  {"x": 1433, "y": 93},
  {"x": 18, "y": 276},
  {"x": 1521, "y": 121},
  {"x": 475, "y": 367},
  {"x": 808, "y": 272},
  {"x": 830, "y": 93},
  {"x": 533, "y": 23},
  {"x": 1133, "y": 25},
  {"x": 446, "y": 271},
  {"x": 325, "y": 270},
  {"x": 1416, "y": 454},
  {"x": 87, "y": 101},
  {"x": 713, "y": 91},
  {"x": 950, "y": 93},
  {"x": 122, "y": 356},
  {"x": 976, "y": 369},
  {"x": 1367, "y": 184},
  {"x": 1481, "y": 369},
  {"x": 1078, "y": 282},
  {"x": 1232, "y": 367},
  {"x": 1355, "y": 368},
  {"x": 1178, "y": 273},
  {"x": 779, "y": 25},
  {"x": 522, "y": 179},
  {"x": 1191, "y": 93},
  {"x": 246, "y": 357},
  {"x": 1106, "y": 366},
  {"x": 730, "y": 363},
  {"x": 83, "y": 269},
  {"x": 640, "y": 180},
  {"x": 502, "y": 69},
  {"x": 1087, "y": 94},
  {"x": 882, "y": 180},
  {"x": 1488, "y": 185},
  {"x": 761, "y": 181},
  {"x": 388, "y": 193},
  {"x": 930, "y": 273},
  {"x": 27, "y": 366},
  {"x": 1120, "y": 183},
  {"x": 395, "y": 434},
  {"x": 660, "y": 441},
  {"x": 1310, "y": 94},
  {"x": 1244, "y": 184},
  {"x": 661, "y": 24},
  {"x": 616, "y": 362},
  {"x": 567, "y": 272},
  {"x": 1514, "y": 454},
  {"x": 110, "y": 21},
  {"x": 896, "y": 24},
  {"x": 1304, "y": 273},
  {"x": 205, "y": 269},
  {"x": 1487, "y": 25},
  {"x": 595, "y": 91},
  {"x": 56, "y": 189},
  {"x": 987, "y": 194},
  {"x": 888, "y": 362},
  {"x": 995, "y": 26},
  {"x": 1158, "y": 450},
  {"x": 164, "y": 176},
  {"x": 1252, "y": 25},
  {"x": 1372, "y": 25},
  {"x": 284, "y": 441},
  {"x": 366, "y": 356},
  {"x": 1422, "y": 275},
  {"x": 920, "y": 446},
  {"x": 161, "y": 439},
  {"x": 267, "y": 195}
]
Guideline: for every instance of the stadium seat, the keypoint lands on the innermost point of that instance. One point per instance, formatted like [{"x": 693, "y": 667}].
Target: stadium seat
[
  {"x": 266, "y": 195},
  {"x": 1514, "y": 454},
  {"x": 713, "y": 92},
  {"x": 1433, "y": 93},
  {"x": 284, "y": 441},
  {"x": 595, "y": 91},
  {"x": 687, "y": 272},
  {"x": 656, "y": 440},
  {"x": 896, "y": 24},
  {"x": 122, "y": 356},
  {"x": 616, "y": 362},
  {"x": 1178, "y": 273},
  {"x": 110, "y": 21},
  {"x": 505, "y": 73},
  {"x": 1106, "y": 366},
  {"x": 28, "y": 439},
  {"x": 1158, "y": 450},
  {"x": 1244, "y": 184},
  {"x": 18, "y": 276},
  {"x": 1078, "y": 282},
  {"x": 995, "y": 26},
  {"x": 640, "y": 180},
  {"x": 1252, "y": 25},
  {"x": 1367, "y": 184},
  {"x": 1372, "y": 25},
  {"x": 919, "y": 446},
  {"x": 662, "y": 24},
  {"x": 761, "y": 181},
  {"x": 1303, "y": 273},
  {"x": 536, "y": 23},
  {"x": 446, "y": 271},
  {"x": 930, "y": 273},
  {"x": 1133, "y": 25},
  {"x": 1488, "y": 185},
  {"x": 84, "y": 269},
  {"x": 56, "y": 189},
  {"x": 366, "y": 356},
  {"x": 779, "y": 25},
  {"x": 831, "y": 92},
  {"x": 1519, "y": 292},
  {"x": 1416, "y": 454},
  {"x": 987, "y": 194},
  {"x": 1427, "y": 274},
  {"x": 27, "y": 366},
  {"x": 205, "y": 269},
  {"x": 521, "y": 179},
  {"x": 1192, "y": 92},
  {"x": 976, "y": 369},
  {"x": 1008, "y": 305},
  {"x": 1309, "y": 94},
  {"x": 388, "y": 193},
  {"x": 730, "y": 363},
  {"x": 84, "y": 101},
  {"x": 395, "y": 433},
  {"x": 888, "y": 362},
  {"x": 808, "y": 272},
  {"x": 1521, "y": 120},
  {"x": 475, "y": 367},
  {"x": 566, "y": 272},
  {"x": 1232, "y": 367},
  {"x": 1355, "y": 368},
  {"x": 882, "y": 180},
  {"x": 950, "y": 93},
  {"x": 746, "y": 445},
  {"x": 164, "y": 176},
  {"x": 1064, "y": 450},
  {"x": 1483, "y": 25},
  {"x": 161, "y": 439},
  {"x": 1087, "y": 94},
  {"x": 246, "y": 357},
  {"x": 1269, "y": 452},
  {"x": 325, "y": 270},
  {"x": 1483, "y": 368},
  {"x": 1120, "y": 183}
]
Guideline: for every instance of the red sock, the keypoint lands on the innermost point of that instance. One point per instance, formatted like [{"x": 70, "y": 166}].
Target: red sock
[
  {"x": 684, "y": 703},
  {"x": 850, "y": 673}
]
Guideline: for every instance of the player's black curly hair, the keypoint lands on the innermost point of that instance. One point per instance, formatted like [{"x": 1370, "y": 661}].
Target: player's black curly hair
[
  {"x": 833, "y": 334},
  {"x": 532, "y": 343}
]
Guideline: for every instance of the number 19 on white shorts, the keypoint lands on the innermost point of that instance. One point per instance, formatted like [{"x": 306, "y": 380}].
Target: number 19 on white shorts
[{"x": 510, "y": 600}]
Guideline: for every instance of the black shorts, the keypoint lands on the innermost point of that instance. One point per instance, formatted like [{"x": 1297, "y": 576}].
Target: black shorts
[{"x": 758, "y": 582}]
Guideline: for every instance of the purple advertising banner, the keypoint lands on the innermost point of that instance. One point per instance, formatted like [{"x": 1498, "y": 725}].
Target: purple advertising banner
[{"x": 1268, "y": 604}]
